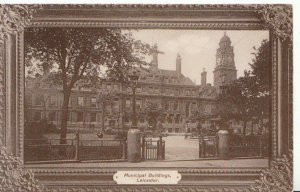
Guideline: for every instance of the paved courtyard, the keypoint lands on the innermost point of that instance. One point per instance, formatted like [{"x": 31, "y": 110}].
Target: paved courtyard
[{"x": 179, "y": 148}]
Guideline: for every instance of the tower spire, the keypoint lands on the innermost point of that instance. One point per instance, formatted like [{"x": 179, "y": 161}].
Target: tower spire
[{"x": 225, "y": 70}]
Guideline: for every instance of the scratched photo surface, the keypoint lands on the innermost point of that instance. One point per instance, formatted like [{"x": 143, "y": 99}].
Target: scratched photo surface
[{"x": 114, "y": 97}]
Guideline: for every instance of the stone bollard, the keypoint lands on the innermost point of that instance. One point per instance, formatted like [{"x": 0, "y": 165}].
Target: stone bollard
[
  {"x": 223, "y": 144},
  {"x": 134, "y": 145}
]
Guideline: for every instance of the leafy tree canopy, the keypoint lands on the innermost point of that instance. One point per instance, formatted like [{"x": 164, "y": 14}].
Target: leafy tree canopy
[
  {"x": 81, "y": 56},
  {"x": 73, "y": 54}
]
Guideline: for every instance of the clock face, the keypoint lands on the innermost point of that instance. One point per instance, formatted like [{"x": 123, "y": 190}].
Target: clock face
[{"x": 229, "y": 59}]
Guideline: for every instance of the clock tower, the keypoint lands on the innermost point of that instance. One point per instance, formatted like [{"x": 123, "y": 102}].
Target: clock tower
[{"x": 225, "y": 71}]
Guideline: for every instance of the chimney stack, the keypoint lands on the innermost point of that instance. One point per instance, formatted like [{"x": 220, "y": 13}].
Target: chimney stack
[
  {"x": 154, "y": 62},
  {"x": 203, "y": 77}
]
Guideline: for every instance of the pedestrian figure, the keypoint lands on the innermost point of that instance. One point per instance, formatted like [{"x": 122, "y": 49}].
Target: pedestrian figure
[{"x": 100, "y": 134}]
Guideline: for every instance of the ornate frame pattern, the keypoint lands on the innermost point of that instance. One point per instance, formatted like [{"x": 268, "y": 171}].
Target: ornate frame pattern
[{"x": 15, "y": 176}]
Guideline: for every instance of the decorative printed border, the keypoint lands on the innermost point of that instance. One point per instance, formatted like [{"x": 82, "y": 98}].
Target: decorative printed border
[
  {"x": 2, "y": 94},
  {"x": 13, "y": 175}
]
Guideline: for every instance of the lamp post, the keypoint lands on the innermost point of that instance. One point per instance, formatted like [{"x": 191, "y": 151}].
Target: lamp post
[
  {"x": 134, "y": 134},
  {"x": 134, "y": 80}
]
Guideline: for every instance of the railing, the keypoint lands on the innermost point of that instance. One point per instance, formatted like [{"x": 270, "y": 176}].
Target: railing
[
  {"x": 239, "y": 146},
  {"x": 153, "y": 149},
  {"x": 208, "y": 146},
  {"x": 39, "y": 150},
  {"x": 249, "y": 146},
  {"x": 102, "y": 149},
  {"x": 48, "y": 150}
]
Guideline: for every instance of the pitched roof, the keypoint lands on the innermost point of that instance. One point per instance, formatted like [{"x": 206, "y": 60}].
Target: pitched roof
[{"x": 168, "y": 76}]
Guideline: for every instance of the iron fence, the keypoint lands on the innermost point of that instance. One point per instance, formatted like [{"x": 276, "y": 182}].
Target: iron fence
[
  {"x": 208, "y": 146},
  {"x": 107, "y": 149},
  {"x": 39, "y": 150},
  {"x": 153, "y": 149},
  {"x": 48, "y": 150},
  {"x": 239, "y": 146},
  {"x": 249, "y": 146}
]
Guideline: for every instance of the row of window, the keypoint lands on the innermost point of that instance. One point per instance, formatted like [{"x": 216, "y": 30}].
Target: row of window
[
  {"x": 157, "y": 78},
  {"x": 92, "y": 117},
  {"x": 115, "y": 106},
  {"x": 53, "y": 116},
  {"x": 52, "y": 100},
  {"x": 151, "y": 89}
]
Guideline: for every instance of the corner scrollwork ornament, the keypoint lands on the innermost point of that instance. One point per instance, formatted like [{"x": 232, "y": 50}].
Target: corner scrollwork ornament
[
  {"x": 278, "y": 178},
  {"x": 14, "y": 177},
  {"x": 14, "y": 18},
  {"x": 279, "y": 18}
]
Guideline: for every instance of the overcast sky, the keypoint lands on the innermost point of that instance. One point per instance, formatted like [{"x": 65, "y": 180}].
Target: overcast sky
[{"x": 198, "y": 48}]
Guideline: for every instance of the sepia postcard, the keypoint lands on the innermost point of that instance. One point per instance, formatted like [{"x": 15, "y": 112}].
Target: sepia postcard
[{"x": 146, "y": 97}]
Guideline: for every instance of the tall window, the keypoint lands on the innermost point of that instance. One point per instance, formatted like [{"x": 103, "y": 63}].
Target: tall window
[
  {"x": 39, "y": 100},
  {"x": 127, "y": 102},
  {"x": 166, "y": 105},
  {"x": 52, "y": 100},
  {"x": 138, "y": 88},
  {"x": 70, "y": 102},
  {"x": 187, "y": 109},
  {"x": 115, "y": 106},
  {"x": 116, "y": 87},
  {"x": 177, "y": 118},
  {"x": 52, "y": 116},
  {"x": 37, "y": 116},
  {"x": 79, "y": 116},
  {"x": 69, "y": 116},
  {"x": 138, "y": 103},
  {"x": 170, "y": 118},
  {"x": 167, "y": 91},
  {"x": 80, "y": 101},
  {"x": 208, "y": 108},
  {"x": 93, "y": 102},
  {"x": 163, "y": 118},
  {"x": 126, "y": 118},
  {"x": 93, "y": 117},
  {"x": 175, "y": 106},
  {"x": 28, "y": 99}
]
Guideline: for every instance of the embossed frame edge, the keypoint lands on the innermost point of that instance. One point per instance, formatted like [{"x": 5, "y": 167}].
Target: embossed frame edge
[{"x": 148, "y": 16}]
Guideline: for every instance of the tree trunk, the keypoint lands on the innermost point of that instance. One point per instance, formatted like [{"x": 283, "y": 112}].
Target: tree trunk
[
  {"x": 252, "y": 127},
  {"x": 103, "y": 118},
  {"x": 244, "y": 128},
  {"x": 64, "y": 117}
]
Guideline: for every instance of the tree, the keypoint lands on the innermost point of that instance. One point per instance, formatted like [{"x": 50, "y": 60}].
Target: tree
[
  {"x": 235, "y": 102},
  {"x": 81, "y": 57},
  {"x": 200, "y": 116},
  {"x": 105, "y": 98},
  {"x": 153, "y": 111}
]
